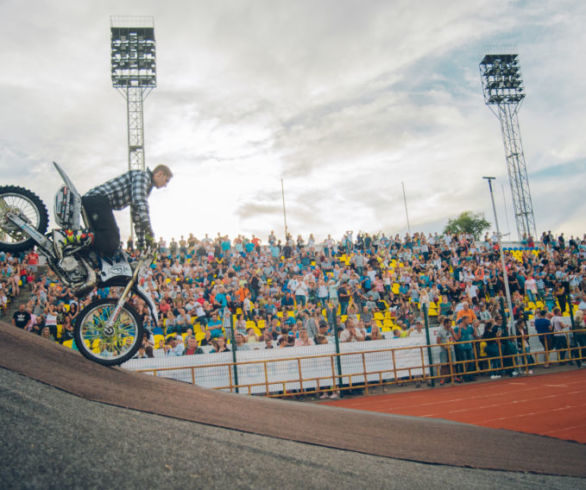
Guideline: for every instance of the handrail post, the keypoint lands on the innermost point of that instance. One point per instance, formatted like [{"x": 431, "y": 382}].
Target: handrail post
[
  {"x": 365, "y": 373},
  {"x": 338, "y": 360},
  {"x": 573, "y": 325},
  {"x": 234, "y": 348},
  {"x": 429, "y": 355},
  {"x": 504, "y": 316}
]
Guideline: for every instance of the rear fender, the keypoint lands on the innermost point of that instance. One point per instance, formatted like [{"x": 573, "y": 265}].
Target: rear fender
[{"x": 41, "y": 240}]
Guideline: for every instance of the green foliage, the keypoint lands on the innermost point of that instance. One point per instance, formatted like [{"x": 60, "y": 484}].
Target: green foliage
[{"x": 467, "y": 222}]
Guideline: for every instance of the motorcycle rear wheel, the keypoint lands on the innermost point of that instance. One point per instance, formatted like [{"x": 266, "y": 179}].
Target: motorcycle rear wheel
[
  {"x": 108, "y": 345},
  {"x": 28, "y": 206}
]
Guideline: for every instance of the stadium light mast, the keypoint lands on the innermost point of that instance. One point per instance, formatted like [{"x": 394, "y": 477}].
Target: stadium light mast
[
  {"x": 503, "y": 94},
  {"x": 134, "y": 74}
]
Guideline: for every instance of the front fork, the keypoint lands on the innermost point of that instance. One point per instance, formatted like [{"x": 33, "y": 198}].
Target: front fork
[
  {"x": 130, "y": 286},
  {"x": 109, "y": 329}
]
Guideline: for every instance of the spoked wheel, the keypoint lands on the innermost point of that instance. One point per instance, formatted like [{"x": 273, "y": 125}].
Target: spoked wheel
[
  {"x": 28, "y": 206},
  {"x": 108, "y": 344}
]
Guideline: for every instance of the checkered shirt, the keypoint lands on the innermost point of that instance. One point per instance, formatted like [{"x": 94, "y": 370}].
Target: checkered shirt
[{"x": 130, "y": 189}]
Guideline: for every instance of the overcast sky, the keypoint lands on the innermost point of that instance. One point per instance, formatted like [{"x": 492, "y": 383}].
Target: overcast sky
[{"x": 343, "y": 100}]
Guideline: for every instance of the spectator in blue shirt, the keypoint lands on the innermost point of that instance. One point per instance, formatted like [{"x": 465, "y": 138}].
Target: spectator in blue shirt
[{"x": 463, "y": 334}]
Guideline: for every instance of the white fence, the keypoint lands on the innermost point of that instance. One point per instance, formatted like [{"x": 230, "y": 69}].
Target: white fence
[{"x": 294, "y": 366}]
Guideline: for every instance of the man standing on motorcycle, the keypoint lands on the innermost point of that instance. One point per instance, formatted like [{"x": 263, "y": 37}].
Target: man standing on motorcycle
[{"x": 129, "y": 189}]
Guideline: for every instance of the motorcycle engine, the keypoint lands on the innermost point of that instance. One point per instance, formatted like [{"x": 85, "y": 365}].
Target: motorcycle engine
[
  {"x": 73, "y": 270},
  {"x": 68, "y": 264}
]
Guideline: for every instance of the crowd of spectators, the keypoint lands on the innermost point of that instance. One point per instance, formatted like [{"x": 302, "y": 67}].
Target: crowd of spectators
[{"x": 298, "y": 292}]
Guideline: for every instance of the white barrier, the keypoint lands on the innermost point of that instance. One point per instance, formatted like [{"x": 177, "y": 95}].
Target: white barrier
[
  {"x": 293, "y": 368},
  {"x": 288, "y": 368}
]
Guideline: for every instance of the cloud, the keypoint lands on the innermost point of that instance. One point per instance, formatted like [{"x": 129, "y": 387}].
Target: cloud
[{"x": 343, "y": 100}]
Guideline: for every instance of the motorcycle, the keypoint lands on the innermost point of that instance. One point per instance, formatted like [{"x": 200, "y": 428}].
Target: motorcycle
[{"x": 109, "y": 330}]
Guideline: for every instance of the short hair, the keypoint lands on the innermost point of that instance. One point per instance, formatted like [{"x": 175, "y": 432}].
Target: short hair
[{"x": 163, "y": 168}]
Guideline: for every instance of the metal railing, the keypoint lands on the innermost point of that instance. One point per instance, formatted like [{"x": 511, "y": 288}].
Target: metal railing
[{"x": 376, "y": 368}]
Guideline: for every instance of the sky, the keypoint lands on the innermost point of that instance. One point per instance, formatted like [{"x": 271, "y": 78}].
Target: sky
[{"x": 340, "y": 104}]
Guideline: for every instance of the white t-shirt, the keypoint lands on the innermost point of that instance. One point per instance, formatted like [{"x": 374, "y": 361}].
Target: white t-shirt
[
  {"x": 301, "y": 289},
  {"x": 531, "y": 285},
  {"x": 177, "y": 350},
  {"x": 558, "y": 326},
  {"x": 51, "y": 319},
  {"x": 345, "y": 336}
]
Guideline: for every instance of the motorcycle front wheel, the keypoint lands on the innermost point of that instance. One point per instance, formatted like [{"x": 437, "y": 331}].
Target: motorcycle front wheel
[
  {"x": 106, "y": 344},
  {"x": 28, "y": 206}
]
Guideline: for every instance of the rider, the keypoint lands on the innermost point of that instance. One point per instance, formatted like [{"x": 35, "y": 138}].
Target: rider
[{"x": 129, "y": 189}]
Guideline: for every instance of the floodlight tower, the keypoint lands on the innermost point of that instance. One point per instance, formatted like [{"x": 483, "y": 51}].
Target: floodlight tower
[
  {"x": 503, "y": 88},
  {"x": 134, "y": 74}
]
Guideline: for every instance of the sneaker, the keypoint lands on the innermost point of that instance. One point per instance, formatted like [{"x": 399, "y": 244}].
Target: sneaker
[
  {"x": 530, "y": 371},
  {"x": 442, "y": 382},
  {"x": 515, "y": 373},
  {"x": 496, "y": 376},
  {"x": 323, "y": 396},
  {"x": 334, "y": 396}
]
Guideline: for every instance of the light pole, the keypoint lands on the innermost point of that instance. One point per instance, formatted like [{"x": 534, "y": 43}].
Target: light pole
[
  {"x": 502, "y": 254},
  {"x": 284, "y": 211},
  {"x": 134, "y": 74},
  {"x": 406, "y": 212}
]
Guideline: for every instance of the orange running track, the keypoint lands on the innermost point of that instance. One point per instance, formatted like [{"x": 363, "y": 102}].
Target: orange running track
[{"x": 551, "y": 405}]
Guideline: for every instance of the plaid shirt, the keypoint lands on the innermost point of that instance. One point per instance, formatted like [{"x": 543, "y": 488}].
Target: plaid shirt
[{"x": 130, "y": 189}]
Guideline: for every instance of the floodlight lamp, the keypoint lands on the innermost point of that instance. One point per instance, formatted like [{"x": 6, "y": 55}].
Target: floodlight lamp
[
  {"x": 133, "y": 56},
  {"x": 501, "y": 79}
]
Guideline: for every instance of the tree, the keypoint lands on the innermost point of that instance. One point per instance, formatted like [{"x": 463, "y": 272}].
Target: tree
[{"x": 467, "y": 222}]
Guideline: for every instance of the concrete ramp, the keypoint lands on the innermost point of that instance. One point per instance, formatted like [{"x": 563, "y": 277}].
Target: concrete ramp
[{"x": 407, "y": 438}]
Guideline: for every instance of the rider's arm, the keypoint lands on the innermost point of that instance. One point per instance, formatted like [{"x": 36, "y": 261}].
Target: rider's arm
[{"x": 140, "y": 207}]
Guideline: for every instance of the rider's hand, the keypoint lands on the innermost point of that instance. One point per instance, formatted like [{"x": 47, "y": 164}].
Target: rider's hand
[{"x": 149, "y": 242}]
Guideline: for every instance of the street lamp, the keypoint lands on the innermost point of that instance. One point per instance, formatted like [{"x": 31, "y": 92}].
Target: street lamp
[{"x": 502, "y": 254}]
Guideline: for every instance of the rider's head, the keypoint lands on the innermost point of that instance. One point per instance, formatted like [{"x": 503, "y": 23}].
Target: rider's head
[{"x": 161, "y": 176}]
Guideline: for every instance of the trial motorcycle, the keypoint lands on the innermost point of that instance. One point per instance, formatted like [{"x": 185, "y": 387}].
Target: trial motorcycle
[{"x": 108, "y": 330}]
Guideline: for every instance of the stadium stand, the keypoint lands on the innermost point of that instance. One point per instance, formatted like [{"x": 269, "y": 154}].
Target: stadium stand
[{"x": 275, "y": 292}]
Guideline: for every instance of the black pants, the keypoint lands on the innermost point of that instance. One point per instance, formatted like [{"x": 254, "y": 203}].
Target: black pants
[
  {"x": 579, "y": 344},
  {"x": 103, "y": 224},
  {"x": 560, "y": 343}
]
